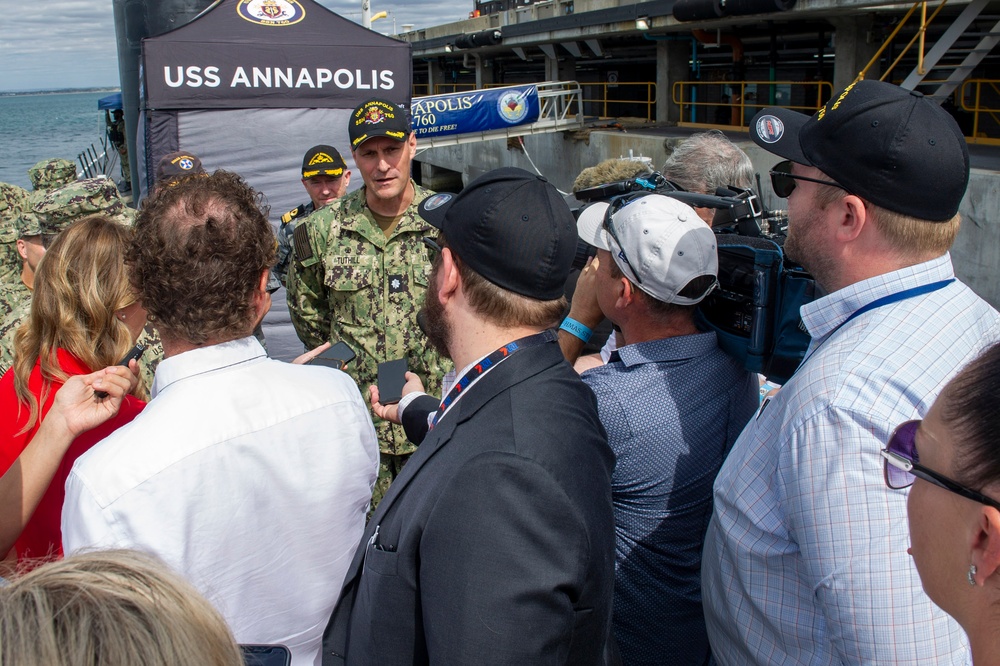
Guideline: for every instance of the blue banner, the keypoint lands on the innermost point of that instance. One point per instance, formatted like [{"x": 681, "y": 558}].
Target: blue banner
[{"x": 476, "y": 111}]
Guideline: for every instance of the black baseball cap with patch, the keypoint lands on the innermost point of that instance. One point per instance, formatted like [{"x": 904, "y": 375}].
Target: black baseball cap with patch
[
  {"x": 178, "y": 165},
  {"x": 323, "y": 160},
  {"x": 511, "y": 227},
  {"x": 378, "y": 117},
  {"x": 890, "y": 146}
]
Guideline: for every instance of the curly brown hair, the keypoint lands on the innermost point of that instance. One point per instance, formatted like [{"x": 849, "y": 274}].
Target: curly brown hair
[{"x": 200, "y": 248}]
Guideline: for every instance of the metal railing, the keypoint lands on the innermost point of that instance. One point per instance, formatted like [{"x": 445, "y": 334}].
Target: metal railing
[
  {"x": 971, "y": 99},
  {"x": 917, "y": 37},
  {"x": 734, "y": 103},
  {"x": 607, "y": 100}
]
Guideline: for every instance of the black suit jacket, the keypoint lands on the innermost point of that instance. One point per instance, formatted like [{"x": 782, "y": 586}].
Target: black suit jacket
[{"x": 495, "y": 545}]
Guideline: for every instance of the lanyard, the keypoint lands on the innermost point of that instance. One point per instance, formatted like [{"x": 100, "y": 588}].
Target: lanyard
[
  {"x": 487, "y": 363},
  {"x": 879, "y": 302}
]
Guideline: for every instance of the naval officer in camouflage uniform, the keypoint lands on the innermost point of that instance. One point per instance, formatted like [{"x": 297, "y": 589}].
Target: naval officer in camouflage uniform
[
  {"x": 326, "y": 177},
  {"x": 51, "y": 173},
  {"x": 360, "y": 268},
  {"x": 12, "y": 200},
  {"x": 45, "y": 214}
]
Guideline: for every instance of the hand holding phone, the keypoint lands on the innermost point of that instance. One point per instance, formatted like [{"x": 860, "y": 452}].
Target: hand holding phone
[
  {"x": 391, "y": 378},
  {"x": 337, "y": 356},
  {"x": 133, "y": 354}
]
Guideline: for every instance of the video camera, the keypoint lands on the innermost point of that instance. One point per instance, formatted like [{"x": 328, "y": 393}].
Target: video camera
[{"x": 755, "y": 310}]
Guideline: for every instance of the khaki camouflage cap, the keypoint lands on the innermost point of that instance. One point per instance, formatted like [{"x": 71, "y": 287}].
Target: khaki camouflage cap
[
  {"x": 54, "y": 172},
  {"x": 51, "y": 211},
  {"x": 12, "y": 200}
]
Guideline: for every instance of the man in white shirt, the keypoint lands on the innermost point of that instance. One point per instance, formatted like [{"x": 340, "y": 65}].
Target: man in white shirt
[
  {"x": 805, "y": 560},
  {"x": 250, "y": 476}
]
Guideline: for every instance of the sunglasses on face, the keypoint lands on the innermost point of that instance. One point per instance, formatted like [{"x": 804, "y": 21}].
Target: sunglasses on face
[
  {"x": 616, "y": 204},
  {"x": 783, "y": 180},
  {"x": 901, "y": 466}
]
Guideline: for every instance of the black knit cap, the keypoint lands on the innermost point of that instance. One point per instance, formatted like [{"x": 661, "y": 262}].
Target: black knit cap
[
  {"x": 890, "y": 146},
  {"x": 511, "y": 227}
]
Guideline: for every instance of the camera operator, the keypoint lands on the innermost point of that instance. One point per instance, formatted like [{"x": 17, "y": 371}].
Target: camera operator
[
  {"x": 672, "y": 402},
  {"x": 702, "y": 163}
]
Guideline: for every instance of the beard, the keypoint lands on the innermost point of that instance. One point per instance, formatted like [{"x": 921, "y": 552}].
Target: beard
[
  {"x": 431, "y": 318},
  {"x": 803, "y": 247}
]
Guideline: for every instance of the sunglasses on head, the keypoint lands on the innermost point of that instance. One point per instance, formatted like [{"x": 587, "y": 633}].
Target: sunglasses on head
[
  {"x": 616, "y": 204},
  {"x": 783, "y": 180},
  {"x": 901, "y": 466}
]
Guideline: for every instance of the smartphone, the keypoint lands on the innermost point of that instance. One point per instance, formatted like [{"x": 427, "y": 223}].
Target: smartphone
[
  {"x": 337, "y": 356},
  {"x": 266, "y": 655},
  {"x": 391, "y": 377},
  {"x": 133, "y": 354}
]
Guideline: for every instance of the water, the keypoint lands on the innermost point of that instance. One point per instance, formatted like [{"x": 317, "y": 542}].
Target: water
[{"x": 37, "y": 127}]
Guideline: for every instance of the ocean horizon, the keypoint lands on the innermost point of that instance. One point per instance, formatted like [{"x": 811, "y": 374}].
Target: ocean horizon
[{"x": 37, "y": 125}]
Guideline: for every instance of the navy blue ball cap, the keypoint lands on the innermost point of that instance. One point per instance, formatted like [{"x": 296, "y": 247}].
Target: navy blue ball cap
[
  {"x": 511, "y": 227},
  {"x": 891, "y": 146}
]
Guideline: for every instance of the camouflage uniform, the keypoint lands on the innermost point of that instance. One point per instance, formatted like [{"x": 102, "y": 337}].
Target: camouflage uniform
[
  {"x": 48, "y": 212},
  {"x": 9, "y": 326},
  {"x": 12, "y": 200},
  {"x": 349, "y": 283},
  {"x": 51, "y": 173},
  {"x": 151, "y": 358},
  {"x": 288, "y": 222}
]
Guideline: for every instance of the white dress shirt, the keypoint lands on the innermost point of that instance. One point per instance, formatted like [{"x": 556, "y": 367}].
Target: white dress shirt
[
  {"x": 805, "y": 559},
  {"x": 249, "y": 476}
]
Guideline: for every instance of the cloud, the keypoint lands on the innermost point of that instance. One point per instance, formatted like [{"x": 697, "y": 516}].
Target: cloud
[{"x": 71, "y": 43}]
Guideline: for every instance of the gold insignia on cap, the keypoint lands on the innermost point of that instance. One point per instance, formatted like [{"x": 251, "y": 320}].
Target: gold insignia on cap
[{"x": 320, "y": 158}]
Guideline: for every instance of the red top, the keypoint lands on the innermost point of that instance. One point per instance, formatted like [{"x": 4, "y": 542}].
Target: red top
[{"x": 42, "y": 536}]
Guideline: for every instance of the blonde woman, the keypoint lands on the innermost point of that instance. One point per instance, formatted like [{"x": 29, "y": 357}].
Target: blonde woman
[
  {"x": 84, "y": 317},
  {"x": 110, "y": 607}
]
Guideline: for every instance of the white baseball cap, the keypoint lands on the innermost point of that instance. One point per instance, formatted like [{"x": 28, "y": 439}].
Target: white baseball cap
[{"x": 661, "y": 239}]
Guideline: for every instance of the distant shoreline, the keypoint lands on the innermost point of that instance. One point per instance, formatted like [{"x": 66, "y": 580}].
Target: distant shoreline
[{"x": 64, "y": 91}]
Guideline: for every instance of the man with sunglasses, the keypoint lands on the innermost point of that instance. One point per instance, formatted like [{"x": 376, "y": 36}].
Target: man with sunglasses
[
  {"x": 46, "y": 213},
  {"x": 805, "y": 559},
  {"x": 672, "y": 403}
]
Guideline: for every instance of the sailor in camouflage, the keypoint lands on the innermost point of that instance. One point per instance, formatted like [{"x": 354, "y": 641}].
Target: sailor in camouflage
[
  {"x": 45, "y": 214},
  {"x": 51, "y": 173},
  {"x": 12, "y": 200},
  {"x": 360, "y": 269},
  {"x": 326, "y": 177}
]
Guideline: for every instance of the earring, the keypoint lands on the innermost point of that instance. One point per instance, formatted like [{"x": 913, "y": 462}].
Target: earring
[
  {"x": 121, "y": 315},
  {"x": 972, "y": 575}
]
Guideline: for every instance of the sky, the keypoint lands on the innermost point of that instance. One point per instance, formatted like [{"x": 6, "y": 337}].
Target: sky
[{"x": 55, "y": 44}]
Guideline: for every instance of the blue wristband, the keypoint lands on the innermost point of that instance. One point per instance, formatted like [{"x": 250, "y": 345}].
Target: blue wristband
[{"x": 573, "y": 327}]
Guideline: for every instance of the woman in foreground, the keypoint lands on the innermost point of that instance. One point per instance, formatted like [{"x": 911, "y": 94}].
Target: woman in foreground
[
  {"x": 84, "y": 316},
  {"x": 952, "y": 459},
  {"x": 110, "y": 607}
]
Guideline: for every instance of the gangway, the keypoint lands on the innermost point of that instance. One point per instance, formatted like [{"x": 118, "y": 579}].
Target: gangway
[{"x": 560, "y": 109}]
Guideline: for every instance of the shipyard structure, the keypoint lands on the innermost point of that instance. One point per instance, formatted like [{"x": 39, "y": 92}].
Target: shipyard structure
[{"x": 638, "y": 77}]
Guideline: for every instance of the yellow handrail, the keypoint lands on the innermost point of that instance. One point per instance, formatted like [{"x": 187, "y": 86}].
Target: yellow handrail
[
  {"x": 739, "y": 105},
  {"x": 979, "y": 108},
  {"x": 603, "y": 101},
  {"x": 920, "y": 34}
]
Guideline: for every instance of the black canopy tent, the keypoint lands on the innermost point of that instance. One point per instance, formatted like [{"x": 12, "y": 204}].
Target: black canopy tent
[{"x": 250, "y": 85}]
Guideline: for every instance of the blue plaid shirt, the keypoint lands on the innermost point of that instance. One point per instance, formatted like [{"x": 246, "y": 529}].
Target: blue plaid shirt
[
  {"x": 805, "y": 559},
  {"x": 672, "y": 409}
]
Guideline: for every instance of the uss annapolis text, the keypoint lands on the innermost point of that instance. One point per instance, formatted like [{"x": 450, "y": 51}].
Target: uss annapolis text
[{"x": 211, "y": 76}]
